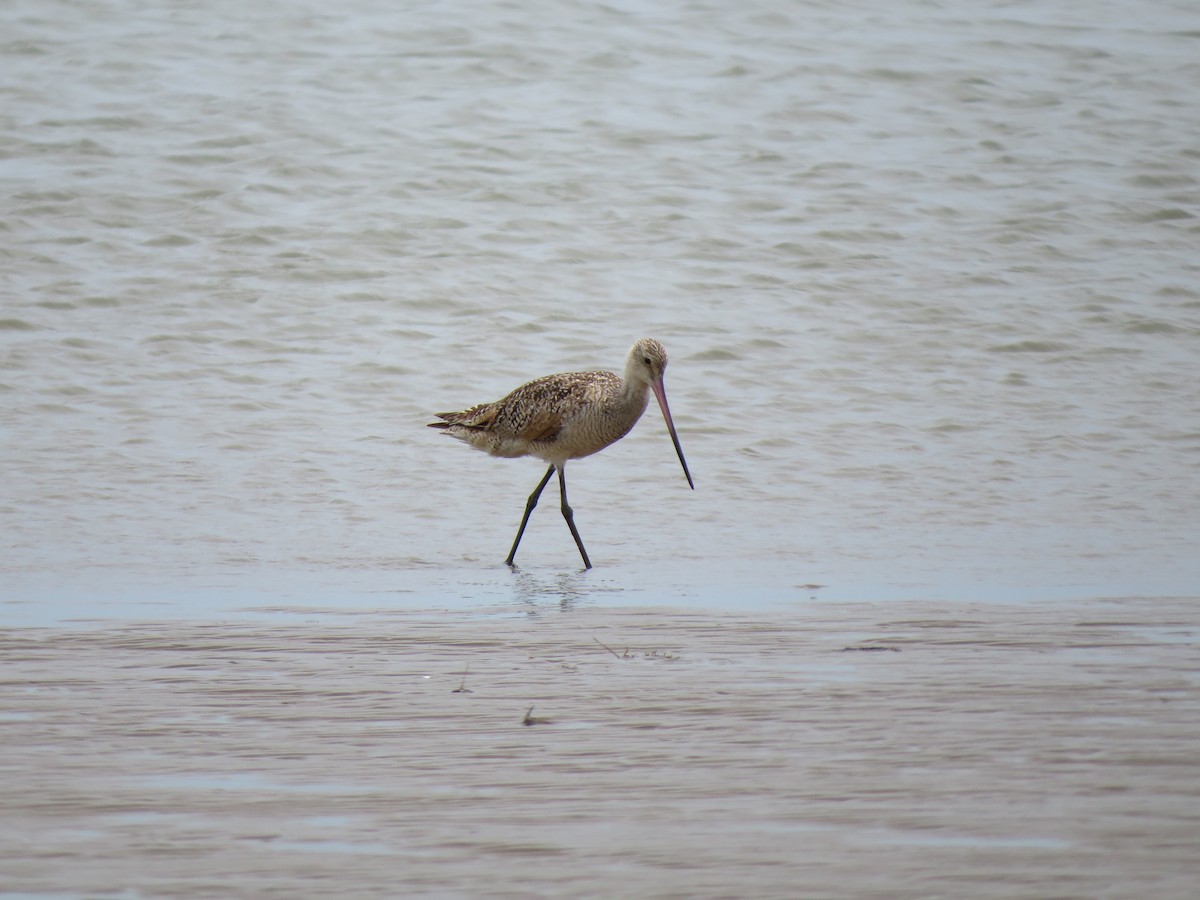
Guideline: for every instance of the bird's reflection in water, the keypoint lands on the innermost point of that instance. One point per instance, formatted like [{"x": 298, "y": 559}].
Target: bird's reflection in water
[{"x": 563, "y": 588}]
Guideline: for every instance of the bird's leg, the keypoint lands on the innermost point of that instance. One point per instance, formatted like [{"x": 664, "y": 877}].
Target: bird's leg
[
  {"x": 529, "y": 505},
  {"x": 569, "y": 515}
]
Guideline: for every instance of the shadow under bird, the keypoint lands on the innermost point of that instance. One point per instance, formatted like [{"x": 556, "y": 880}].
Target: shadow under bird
[{"x": 567, "y": 416}]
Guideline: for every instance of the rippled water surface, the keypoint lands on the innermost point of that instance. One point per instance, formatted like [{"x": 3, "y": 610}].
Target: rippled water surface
[{"x": 927, "y": 273}]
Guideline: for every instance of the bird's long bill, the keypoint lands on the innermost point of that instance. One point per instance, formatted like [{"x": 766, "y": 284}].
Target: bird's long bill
[{"x": 661, "y": 395}]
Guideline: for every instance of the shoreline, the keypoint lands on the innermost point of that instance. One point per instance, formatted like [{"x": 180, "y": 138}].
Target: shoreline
[{"x": 750, "y": 586}]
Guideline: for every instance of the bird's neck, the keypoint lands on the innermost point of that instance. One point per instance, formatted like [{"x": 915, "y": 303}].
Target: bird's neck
[{"x": 635, "y": 395}]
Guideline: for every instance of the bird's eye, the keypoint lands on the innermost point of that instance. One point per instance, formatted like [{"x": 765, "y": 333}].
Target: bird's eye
[{"x": 646, "y": 360}]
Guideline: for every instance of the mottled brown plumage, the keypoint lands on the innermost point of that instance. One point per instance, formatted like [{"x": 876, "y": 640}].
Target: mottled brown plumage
[{"x": 567, "y": 416}]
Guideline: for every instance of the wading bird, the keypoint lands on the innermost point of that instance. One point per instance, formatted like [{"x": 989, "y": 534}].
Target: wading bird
[{"x": 567, "y": 416}]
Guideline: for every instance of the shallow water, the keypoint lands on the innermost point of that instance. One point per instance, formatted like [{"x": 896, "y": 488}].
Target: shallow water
[{"x": 927, "y": 275}]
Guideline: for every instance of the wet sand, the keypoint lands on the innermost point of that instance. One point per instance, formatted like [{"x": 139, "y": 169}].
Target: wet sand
[{"x": 827, "y": 750}]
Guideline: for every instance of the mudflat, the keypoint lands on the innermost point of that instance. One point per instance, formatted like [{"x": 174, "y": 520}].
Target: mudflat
[{"x": 899, "y": 749}]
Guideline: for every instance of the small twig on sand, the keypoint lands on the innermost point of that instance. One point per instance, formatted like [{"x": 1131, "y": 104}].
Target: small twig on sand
[
  {"x": 462, "y": 688},
  {"x": 531, "y": 719}
]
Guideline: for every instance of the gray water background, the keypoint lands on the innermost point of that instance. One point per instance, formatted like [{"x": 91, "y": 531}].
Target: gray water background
[{"x": 928, "y": 275}]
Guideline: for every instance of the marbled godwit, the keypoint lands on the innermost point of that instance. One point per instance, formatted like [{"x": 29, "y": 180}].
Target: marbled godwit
[{"x": 568, "y": 416}]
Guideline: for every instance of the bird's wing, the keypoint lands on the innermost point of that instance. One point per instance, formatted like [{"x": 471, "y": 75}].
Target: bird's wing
[
  {"x": 535, "y": 412},
  {"x": 542, "y": 426}
]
